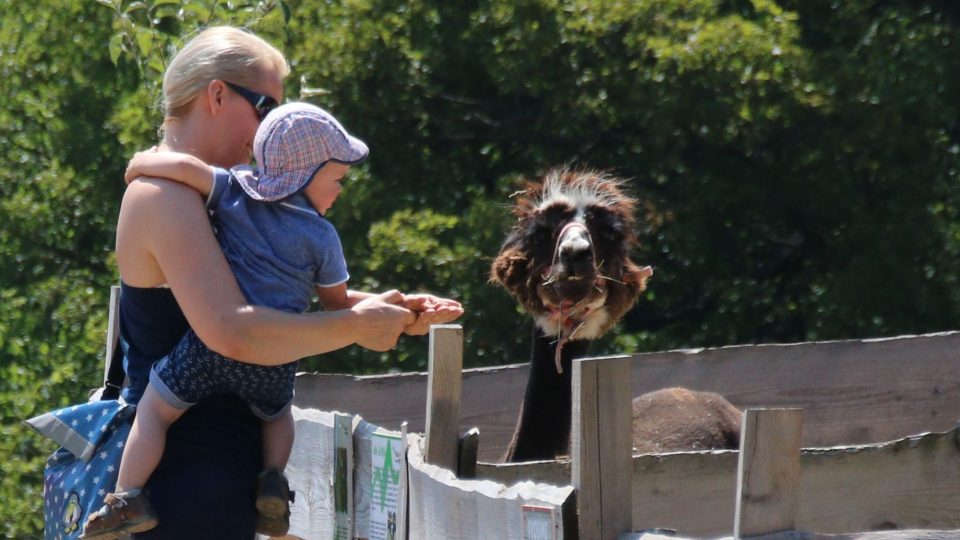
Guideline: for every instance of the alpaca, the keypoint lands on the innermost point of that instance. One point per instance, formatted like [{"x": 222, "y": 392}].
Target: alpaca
[
  {"x": 677, "y": 419},
  {"x": 567, "y": 261}
]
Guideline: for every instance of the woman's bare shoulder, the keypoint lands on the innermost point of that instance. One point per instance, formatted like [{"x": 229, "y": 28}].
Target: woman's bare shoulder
[
  {"x": 158, "y": 190},
  {"x": 159, "y": 219}
]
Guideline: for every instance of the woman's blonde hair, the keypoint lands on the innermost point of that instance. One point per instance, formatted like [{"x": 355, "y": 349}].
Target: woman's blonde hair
[{"x": 219, "y": 52}]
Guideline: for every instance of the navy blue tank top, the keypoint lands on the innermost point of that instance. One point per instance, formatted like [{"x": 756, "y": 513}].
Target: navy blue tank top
[{"x": 151, "y": 323}]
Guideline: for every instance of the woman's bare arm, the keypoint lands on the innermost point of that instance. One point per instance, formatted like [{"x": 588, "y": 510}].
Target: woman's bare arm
[{"x": 164, "y": 236}]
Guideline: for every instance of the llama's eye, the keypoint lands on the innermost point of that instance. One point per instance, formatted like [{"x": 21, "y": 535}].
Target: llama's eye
[
  {"x": 549, "y": 221},
  {"x": 540, "y": 231},
  {"x": 557, "y": 213},
  {"x": 603, "y": 225}
]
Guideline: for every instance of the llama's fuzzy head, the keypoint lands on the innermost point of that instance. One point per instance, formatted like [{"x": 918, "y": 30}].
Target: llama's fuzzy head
[{"x": 567, "y": 258}]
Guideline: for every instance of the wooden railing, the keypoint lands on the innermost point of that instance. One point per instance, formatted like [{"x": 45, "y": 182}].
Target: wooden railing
[
  {"x": 852, "y": 392},
  {"x": 770, "y": 487}
]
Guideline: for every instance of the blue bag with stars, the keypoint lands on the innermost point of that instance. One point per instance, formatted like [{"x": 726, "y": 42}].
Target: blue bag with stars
[{"x": 84, "y": 469}]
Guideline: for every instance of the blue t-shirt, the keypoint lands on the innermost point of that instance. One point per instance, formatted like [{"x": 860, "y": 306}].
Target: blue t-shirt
[{"x": 280, "y": 251}]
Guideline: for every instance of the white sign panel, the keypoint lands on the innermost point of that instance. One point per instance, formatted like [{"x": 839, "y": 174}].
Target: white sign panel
[
  {"x": 539, "y": 523},
  {"x": 387, "y": 462}
]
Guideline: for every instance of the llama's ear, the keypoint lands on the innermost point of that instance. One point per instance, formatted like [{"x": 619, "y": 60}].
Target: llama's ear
[
  {"x": 509, "y": 269},
  {"x": 637, "y": 276}
]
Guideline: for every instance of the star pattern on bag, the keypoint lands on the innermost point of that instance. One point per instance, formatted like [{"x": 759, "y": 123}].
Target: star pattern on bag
[{"x": 73, "y": 487}]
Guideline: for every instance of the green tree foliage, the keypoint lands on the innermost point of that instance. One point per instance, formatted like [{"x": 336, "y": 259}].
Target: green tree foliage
[
  {"x": 796, "y": 161},
  {"x": 57, "y": 212}
]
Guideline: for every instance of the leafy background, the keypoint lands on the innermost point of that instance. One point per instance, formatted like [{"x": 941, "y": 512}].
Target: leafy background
[{"x": 797, "y": 163}]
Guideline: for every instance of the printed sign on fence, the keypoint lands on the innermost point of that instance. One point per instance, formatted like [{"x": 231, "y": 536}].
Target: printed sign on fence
[
  {"x": 343, "y": 476},
  {"x": 387, "y": 457},
  {"x": 539, "y": 523}
]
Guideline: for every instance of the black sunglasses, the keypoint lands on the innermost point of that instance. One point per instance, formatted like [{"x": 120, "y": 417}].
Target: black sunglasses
[{"x": 261, "y": 104}]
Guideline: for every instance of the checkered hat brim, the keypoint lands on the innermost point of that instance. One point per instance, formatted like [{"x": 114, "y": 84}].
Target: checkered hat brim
[{"x": 294, "y": 141}]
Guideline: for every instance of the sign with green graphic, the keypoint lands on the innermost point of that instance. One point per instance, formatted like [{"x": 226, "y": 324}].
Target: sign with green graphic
[{"x": 388, "y": 463}]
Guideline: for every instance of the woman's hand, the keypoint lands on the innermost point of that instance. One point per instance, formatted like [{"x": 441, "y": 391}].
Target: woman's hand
[
  {"x": 382, "y": 318},
  {"x": 430, "y": 309}
]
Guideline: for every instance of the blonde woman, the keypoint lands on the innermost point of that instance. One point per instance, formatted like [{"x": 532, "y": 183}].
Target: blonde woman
[{"x": 173, "y": 276}]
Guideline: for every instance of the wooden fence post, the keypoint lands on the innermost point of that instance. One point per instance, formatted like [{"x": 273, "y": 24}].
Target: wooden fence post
[
  {"x": 768, "y": 477},
  {"x": 602, "y": 446},
  {"x": 444, "y": 383}
]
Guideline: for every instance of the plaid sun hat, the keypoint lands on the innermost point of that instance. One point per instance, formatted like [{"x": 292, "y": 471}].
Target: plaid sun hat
[{"x": 293, "y": 141}]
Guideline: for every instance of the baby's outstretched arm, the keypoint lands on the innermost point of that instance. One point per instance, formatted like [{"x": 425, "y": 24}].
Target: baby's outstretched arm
[
  {"x": 177, "y": 166},
  {"x": 336, "y": 297},
  {"x": 429, "y": 309}
]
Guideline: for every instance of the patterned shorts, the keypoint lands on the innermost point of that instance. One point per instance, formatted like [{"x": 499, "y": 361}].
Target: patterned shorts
[{"x": 192, "y": 372}]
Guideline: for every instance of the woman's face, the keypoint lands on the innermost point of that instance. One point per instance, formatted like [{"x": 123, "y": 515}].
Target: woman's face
[
  {"x": 325, "y": 186},
  {"x": 242, "y": 119}
]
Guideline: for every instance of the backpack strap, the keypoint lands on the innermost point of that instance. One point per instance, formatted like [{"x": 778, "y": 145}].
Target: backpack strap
[{"x": 113, "y": 374}]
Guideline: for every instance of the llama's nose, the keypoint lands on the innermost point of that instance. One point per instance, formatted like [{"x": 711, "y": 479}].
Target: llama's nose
[{"x": 576, "y": 253}]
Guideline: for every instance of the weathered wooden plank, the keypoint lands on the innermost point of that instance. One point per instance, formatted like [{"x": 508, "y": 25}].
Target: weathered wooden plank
[
  {"x": 852, "y": 392},
  {"x": 310, "y": 472},
  {"x": 691, "y": 492},
  {"x": 615, "y": 423},
  {"x": 768, "y": 472},
  {"x": 444, "y": 382},
  {"x": 443, "y": 507},
  {"x": 585, "y": 451},
  {"x": 556, "y": 472},
  {"x": 601, "y": 445},
  {"x": 915, "y": 534},
  {"x": 910, "y": 483}
]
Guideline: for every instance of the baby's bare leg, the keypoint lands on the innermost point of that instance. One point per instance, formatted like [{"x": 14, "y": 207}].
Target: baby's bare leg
[
  {"x": 278, "y": 441},
  {"x": 147, "y": 439}
]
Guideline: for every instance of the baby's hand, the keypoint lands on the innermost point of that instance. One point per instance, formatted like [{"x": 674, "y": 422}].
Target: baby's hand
[
  {"x": 430, "y": 310},
  {"x": 135, "y": 165}
]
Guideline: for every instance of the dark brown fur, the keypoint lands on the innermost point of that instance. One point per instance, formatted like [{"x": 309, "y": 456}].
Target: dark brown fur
[{"x": 677, "y": 419}]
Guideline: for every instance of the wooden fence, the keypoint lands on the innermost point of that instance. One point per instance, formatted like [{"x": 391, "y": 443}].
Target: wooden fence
[
  {"x": 770, "y": 486},
  {"x": 851, "y": 392}
]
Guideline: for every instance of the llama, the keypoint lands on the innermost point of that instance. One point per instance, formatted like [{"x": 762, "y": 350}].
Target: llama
[{"x": 567, "y": 261}]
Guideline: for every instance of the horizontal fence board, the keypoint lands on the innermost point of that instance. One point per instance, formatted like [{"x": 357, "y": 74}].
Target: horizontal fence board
[
  {"x": 851, "y": 392},
  {"x": 490, "y": 401},
  {"x": 908, "y": 483},
  {"x": 443, "y": 507},
  {"x": 914, "y": 534},
  {"x": 548, "y": 472}
]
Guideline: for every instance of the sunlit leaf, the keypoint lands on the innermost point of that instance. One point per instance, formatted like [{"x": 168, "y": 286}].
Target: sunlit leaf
[{"x": 116, "y": 47}]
